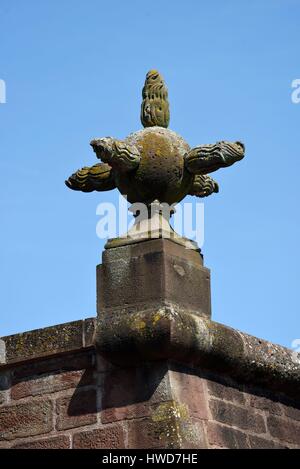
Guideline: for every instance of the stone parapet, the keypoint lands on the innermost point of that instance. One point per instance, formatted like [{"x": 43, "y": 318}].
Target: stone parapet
[{"x": 151, "y": 371}]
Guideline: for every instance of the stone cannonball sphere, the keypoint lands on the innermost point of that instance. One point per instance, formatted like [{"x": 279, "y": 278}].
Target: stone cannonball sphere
[{"x": 161, "y": 173}]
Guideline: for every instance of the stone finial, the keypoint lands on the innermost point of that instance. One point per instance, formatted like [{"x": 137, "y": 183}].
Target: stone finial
[
  {"x": 155, "y": 163},
  {"x": 155, "y": 105}
]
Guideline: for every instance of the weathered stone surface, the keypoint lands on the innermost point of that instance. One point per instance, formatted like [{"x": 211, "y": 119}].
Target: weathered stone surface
[
  {"x": 5, "y": 384},
  {"x": 72, "y": 361},
  {"x": 110, "y": 437},
  {"x": 154, "y": 372},
  {"x": 292, "y": 411},
  {"x": 56, "y": 442},
  {"x": 151, "y": 273},
  {"x": 265, "y": 403},
  {"x": 155, "y": 105},
  {"x": 225, "y": 392},
  {"x": 158, "y": 404},
  {"x": 89, "y": 329},
  {"x": 130, "y": 336},
  {"x": 26, "y": 419},
  {"x": 149, "y": 434},
  {"x": 169, "y": 426},
  {"x": 126, "y": 412},
  {"x": 226, "y": 437},
  {"x": 77, "y": 410},
  {"x": 131, "y": 392},
  {"x": 192, "y": 434},
  {"x": 272, "y": 363},
  {"x": 284, "y": 429},
  {"x": 243, "y": 418},
  {"x": 167, "y": 333},
  {"x": 155, "y": 163},
  {"x": 257, "y": 442},
  {"x": 43, "y": 342},
  {"x": 2, "y": 397},
  {"x": 52, "y": 383},
  {"x": 189, "y": 389}
]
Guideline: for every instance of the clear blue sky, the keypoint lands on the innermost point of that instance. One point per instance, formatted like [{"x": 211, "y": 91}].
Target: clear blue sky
[{"x": 74, "y": 70}]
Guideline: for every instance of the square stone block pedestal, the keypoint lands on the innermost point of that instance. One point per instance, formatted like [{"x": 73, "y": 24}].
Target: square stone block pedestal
[{"x": 152, "y": 274}]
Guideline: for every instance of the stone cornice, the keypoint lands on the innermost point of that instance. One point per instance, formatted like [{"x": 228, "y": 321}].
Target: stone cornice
[{"x": 163, "y": 333}]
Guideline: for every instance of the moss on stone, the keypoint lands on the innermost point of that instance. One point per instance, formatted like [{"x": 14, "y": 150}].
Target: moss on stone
[{"x": 161, "y": 173}]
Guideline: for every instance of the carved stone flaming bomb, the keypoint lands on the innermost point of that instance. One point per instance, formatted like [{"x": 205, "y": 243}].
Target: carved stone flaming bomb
[{"x": 155, "y": 164}]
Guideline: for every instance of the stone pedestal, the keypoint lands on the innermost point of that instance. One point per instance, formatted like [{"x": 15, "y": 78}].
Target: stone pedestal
[
  {"x": 151, "y": 222},
  {"x": 152, "y": 274},
  {"x": 147, "y": 296}
]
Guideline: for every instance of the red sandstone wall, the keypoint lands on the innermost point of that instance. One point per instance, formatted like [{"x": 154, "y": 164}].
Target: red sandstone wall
[{"x": 75, "y": 401}]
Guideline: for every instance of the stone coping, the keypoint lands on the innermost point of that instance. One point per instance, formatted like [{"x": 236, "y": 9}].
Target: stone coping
[
  {"x": 166, "y": 333},
  {"x": 181, "y": 336},
  {"x": 48, "y": 341}
]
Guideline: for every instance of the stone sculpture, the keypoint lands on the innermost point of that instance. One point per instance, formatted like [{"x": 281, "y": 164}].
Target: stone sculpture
[{"x": 155, "y": 164}]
